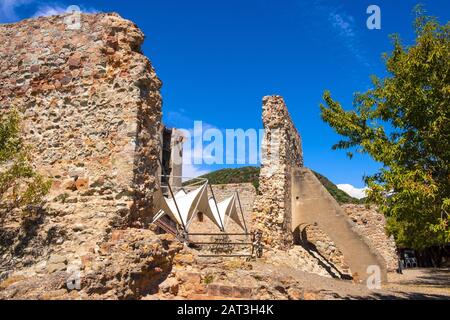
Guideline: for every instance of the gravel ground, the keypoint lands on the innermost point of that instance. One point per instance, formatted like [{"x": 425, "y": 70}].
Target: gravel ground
[
  {"x": 421, "y": 283},
  {"x": 412, "y": 284}
]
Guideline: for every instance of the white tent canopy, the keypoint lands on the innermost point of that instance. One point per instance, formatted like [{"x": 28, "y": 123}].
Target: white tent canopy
[
  {"x": 204, "y": 207},
  {"x": 227, "y": 210},
  {"x": 185, "y": 205},
  {"x": 233, "y": 215}
]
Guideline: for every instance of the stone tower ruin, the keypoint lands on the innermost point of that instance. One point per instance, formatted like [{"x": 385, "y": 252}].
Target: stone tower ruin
[
  {"x": 282, "y": 151},
  {"x": 91, "y": 111},
  {"x": 292, "y": 198}
]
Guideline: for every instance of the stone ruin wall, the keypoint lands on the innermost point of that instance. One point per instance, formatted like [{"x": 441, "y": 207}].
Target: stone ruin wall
[
  {"x": 367, "y": 222},
  {"x": 91, "y": 111},
  {"x": 272, "y": 209},
  {"x": 320, "y": 242},
  {"x": 371, "y": 224}
]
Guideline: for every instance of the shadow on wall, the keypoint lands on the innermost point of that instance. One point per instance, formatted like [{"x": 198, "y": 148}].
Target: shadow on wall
[
  {"x": 147, "y": 152},
  {"x": 27, "y": 240},
  {"x": 301, "y": 238}
]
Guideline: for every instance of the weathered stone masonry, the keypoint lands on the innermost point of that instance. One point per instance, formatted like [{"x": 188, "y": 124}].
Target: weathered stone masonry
[
  {"x": 371, "y": 224},
  {"x": 293, "y": 201},
  {"x": 282, "y": 151},
  {"x": 91, "y": 111},
  {"x": 91, "y": 107}
]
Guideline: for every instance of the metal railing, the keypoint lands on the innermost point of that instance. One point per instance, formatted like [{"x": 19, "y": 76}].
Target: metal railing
[
  {"x": 168, "y": 189},
  {"x": 255, "y": 245},
  {"x": 166, "y": 226},
  {"x": 183, "y": 235}
]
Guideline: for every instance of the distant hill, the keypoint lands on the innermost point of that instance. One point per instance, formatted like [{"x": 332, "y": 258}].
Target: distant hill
[
  {"x": 338, "y": 194},
  {"x": 238, "y": 175},
  {"x": 251, "y": 175}
]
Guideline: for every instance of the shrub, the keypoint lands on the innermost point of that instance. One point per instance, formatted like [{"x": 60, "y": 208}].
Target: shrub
[{"x": 21, "y": 188}]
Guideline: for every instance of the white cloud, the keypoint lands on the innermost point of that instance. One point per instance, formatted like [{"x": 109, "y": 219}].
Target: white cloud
[
  {"x": 192, "y": 155},
  {"x": 194, "y": 131},
  {"x": 192, "y": 171},
  {"x": 177, "y": 119},
  {"x": 344, "y": 25},
  {"x": 208, "y": 144},
  {"x": 57, "y": 9},
  {"x": 49, "y": 10},
  {"x": 357, "y": 193},
  {"x": 8, "y": 9}
]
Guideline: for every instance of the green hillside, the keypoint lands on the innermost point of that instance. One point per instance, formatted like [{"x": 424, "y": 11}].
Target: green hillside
[
  {"x": 251, "y": 175},
  {"x": 338, "y": 194},
  {"x": 239, "y": 175}
]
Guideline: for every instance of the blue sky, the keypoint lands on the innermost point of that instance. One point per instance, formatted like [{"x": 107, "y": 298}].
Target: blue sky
[{"x": 217, "y": 59}]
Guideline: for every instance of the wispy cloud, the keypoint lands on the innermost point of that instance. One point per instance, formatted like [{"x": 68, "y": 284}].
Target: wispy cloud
[
  {"x": 344, "y": 25},
  {"x": 9, "y": 8},
  {"x": 177, "y": 118},
  {"x": 207, "y": 146},
  {"x": 193, "y": 171},
  {"x": 49, "y": 10},
  {"x": 194, "y": 133},
  {"x": 191, "y": 153}
]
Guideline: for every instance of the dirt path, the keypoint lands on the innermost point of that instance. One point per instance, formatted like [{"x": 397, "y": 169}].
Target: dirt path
[
  {"x": 413, "y": 284},
  {"x": 421, "y": 283}
]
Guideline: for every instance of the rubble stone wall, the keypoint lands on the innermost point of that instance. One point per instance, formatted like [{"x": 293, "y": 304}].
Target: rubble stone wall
[
  {"x": 371, "y": 224},
  {"x": 282, "y": 151},
  {"x": 91, "y": 110},
  {"x": 319, "y": 241},
  {"x": 368, "y": 223}
]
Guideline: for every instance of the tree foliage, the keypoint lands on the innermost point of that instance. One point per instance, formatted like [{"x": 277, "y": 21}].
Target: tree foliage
[
  {"x": 403, "y": 122},
  {"x": 20, "y": 186}
]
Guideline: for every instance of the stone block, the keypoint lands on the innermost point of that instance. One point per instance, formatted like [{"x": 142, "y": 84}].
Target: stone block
[
  {"x": 213, "y": 289},
  {"x": 226, "y": 291},
  {"x": 242, "y": 292}
]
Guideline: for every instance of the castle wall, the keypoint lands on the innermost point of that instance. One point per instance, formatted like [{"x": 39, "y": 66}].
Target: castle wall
[
  {"x": 293, "y": 203},
  {"x": 91, "y": 111},
  {"x": 371, "y": 224},
  {"x": 176, "y": 158},
  {"x": 313, "y": 205},
  {"x": 368, "y": 223},
  {"x": 281, "y": 152}
]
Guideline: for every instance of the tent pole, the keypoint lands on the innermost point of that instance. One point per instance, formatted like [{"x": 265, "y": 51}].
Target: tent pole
[
  {"x": 173, "y": 197},
  {"x": 193, "y": 216},
  {"x": 215, "y": 202},
  {"x": 176, "y": 205},
  {"x": 242, "y": 212}
]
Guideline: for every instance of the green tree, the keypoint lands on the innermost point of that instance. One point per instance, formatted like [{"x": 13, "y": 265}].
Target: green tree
[
  {"x": 20, "y": 186},
  {"x": 403, "y": 122}
]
